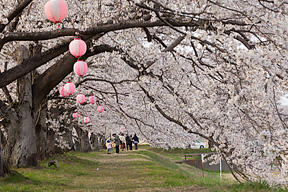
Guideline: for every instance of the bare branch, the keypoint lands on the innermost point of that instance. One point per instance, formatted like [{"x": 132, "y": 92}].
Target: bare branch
[
  {"x": 18, "y": 9},
  {"x": 174, "y": 44}
]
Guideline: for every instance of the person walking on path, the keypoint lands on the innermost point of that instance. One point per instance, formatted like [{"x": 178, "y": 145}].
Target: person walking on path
[
  {"x": 128, "y": 142},
  {"x": 122, "y": 138},
  {"x": 117, "y": 142},
  {"x": 135, "y": 141},
  {"x": 109, "y": 146}
]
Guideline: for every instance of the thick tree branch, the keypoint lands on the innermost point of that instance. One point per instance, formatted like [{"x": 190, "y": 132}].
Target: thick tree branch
[
  {"x": 55, "y": 74},
  {"x": 50, "y": 78},
  {"x": 161, "y": 18},
  {"x": 104, "y": 28},
  {"x": 30, "y": 64},
  {"x": 18, "y": 9},
  {"x": 5, "y": 90}
]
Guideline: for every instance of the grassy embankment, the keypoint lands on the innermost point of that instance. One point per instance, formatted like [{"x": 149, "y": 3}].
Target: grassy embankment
[{"x": 143, "y": 170}]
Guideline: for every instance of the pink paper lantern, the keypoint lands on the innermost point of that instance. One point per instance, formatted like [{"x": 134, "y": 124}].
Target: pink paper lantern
[
  {"x": 80, "y": 68},
  {"x": 75, "y": 115},
  {"x": 100, "y": 109},
  {"x": 69, "y": 88},
  {"x": 77, "y": 47},
  {"x": 56, "y": 10},
  {"x": 80, "y": 98},
  {"x": 62, "y": 92},
  {"x": 92, "y": 99},
  {"x": 86, "y": 119}
]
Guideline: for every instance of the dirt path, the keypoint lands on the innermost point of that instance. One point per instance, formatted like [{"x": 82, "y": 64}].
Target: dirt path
[{"x": 139, "y": 178}]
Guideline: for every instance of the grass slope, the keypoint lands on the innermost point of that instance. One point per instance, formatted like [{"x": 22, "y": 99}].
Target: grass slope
[{"x": 143, "y": 170}]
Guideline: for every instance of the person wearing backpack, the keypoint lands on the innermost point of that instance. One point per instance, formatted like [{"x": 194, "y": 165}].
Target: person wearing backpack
[
  {"x": 135, "y": 141},
  {"x": 128, "y": 142}
]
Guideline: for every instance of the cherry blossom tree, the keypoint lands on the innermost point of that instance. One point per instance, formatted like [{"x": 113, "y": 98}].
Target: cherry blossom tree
[{"x": 168, "y": 70}]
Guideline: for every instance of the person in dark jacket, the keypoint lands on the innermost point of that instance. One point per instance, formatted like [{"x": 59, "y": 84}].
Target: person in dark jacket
[
  {"x": 128, "y": 142},
  {"x": 135, "y": 141},
  {"x": 117, "y": 142}
]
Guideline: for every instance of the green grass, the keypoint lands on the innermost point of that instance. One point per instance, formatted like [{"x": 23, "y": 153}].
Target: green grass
[
  {"x": 143, "y": 170},
  {"x": 181, "y": 151},
  {"x": 178, "y": 153}
]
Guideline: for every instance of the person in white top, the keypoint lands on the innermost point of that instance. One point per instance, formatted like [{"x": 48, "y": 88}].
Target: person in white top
[
  {"x": 109, "y": 146},
  {"x": 122, "y": 138}
]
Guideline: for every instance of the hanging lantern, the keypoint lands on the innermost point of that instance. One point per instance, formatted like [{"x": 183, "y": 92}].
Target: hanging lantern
[
  {"x": 86, "y": 119},
  {"x": 100, "y": 109},
  {"x": 62, "y": 92},
  {"x": 56, "y": 10},
  {"x": 69, "y": 88},
  {"x": 75, "y": 115},
  {"x": 77, "y": 47},
  {"x": 80, "y": 98},
  {"x": 80, "y": 68},
  {"x": 92, "y": 99}
]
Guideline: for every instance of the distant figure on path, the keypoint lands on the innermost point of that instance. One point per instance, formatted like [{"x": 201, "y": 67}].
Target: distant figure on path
[
  {"x": 128, "y": 142},
  {"x": 109, "y": 146},
  {"x": 117, "y": 142},
  {"x": 136, "y": 141},
  {"x": 122, "y": 138}
]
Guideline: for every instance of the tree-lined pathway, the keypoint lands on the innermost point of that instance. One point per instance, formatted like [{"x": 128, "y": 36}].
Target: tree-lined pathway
[{"x": 141, "y": 170}]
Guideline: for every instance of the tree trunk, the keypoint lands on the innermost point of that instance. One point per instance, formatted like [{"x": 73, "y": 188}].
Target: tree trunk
[
  {"x": 21, "y": 146},
  {"x": 3, "y": 165},
  {"x": 67, "y": 138},
  {"x": 101, "y": 141},
  {"x": 76, "y": 144},
  {"x": 41, "y": 132},
  {"x": 83, "y": 140},
  {"x": 21, "y": 133},
  {"x": 57, "y": 146},
  {"x": 50, "y": 142},
  {"x": 94, "y": 142},
  {"x": 1, "y": 158}
]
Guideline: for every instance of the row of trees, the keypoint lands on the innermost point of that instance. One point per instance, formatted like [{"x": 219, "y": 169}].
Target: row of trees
[{"x": 170, "y": 69}]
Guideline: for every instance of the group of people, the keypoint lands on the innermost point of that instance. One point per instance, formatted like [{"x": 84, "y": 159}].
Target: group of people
[{"x": 121, "y": 141}]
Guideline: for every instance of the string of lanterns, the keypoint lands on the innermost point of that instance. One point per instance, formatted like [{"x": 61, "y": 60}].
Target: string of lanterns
[{"x": 56, "y": 11}]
